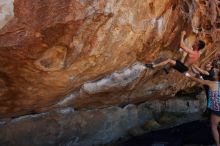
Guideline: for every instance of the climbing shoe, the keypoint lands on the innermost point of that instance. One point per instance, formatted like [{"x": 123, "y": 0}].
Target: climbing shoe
[{"x": 149, "y": 66}]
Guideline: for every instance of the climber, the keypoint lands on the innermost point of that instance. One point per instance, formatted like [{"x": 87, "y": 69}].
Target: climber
[
  {"x": 213, "y": 103},
  {"x": 208, "y": 73},
  {"x": 192, "y": 56}
]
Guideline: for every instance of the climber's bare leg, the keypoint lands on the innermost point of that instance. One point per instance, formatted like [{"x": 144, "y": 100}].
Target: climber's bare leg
[{"x": 163, "y": 63}]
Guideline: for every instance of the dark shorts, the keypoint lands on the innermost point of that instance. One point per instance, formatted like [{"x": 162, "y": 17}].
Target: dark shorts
[
  {"x": 180, "y": 67},
  {"x": 217, "y": 113}
]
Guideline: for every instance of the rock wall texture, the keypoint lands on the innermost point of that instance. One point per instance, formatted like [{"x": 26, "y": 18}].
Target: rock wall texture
[
  {"x": 71, "y": 71},
  {"x": 89, "y": 54},
  {"x": 6, "y": 11},
  {"x": 67, "y": 127}
]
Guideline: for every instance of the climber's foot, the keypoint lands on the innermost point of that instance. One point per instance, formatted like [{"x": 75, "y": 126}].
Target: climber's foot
[{"x": 151, "y": 66}]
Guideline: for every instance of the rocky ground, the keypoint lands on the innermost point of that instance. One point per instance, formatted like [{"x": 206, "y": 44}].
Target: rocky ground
[{"x": 197, "y": 133}]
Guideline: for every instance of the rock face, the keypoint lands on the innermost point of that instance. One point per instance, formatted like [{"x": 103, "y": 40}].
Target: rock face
[
  {"x": 6, "y": 12},
  {"x": 66, "y": 127},
  {"x": 89, "y": 54}
]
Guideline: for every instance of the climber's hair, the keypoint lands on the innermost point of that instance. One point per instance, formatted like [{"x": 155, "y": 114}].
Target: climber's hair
[{"x": 201, "y": 44}]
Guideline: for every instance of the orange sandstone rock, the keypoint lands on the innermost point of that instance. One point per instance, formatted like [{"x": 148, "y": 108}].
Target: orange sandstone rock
[{"x": 88, "y": 54}]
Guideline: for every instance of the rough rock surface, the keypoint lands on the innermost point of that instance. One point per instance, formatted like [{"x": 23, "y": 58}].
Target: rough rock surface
[
  {"x": 88, "y": 54},
  {"x": 6, "y": 11},
  {"x": 67, "y": 127}
]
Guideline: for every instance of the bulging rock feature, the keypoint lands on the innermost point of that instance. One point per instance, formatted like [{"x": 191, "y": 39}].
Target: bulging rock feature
[
  {"x": 6, "y": 12},
  {"x": 75, "y": 68},
  {"x": 121, "y": 80},
  {"x": 84, "y": 54},
  {"x": 52, "y": 59}
]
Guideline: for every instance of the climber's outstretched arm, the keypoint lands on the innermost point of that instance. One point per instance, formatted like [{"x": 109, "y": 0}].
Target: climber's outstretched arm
[
  {"x": 201, "y": 70},
  {"x": 183, "y": 45},
  {"x": 203, "y": 82}
]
